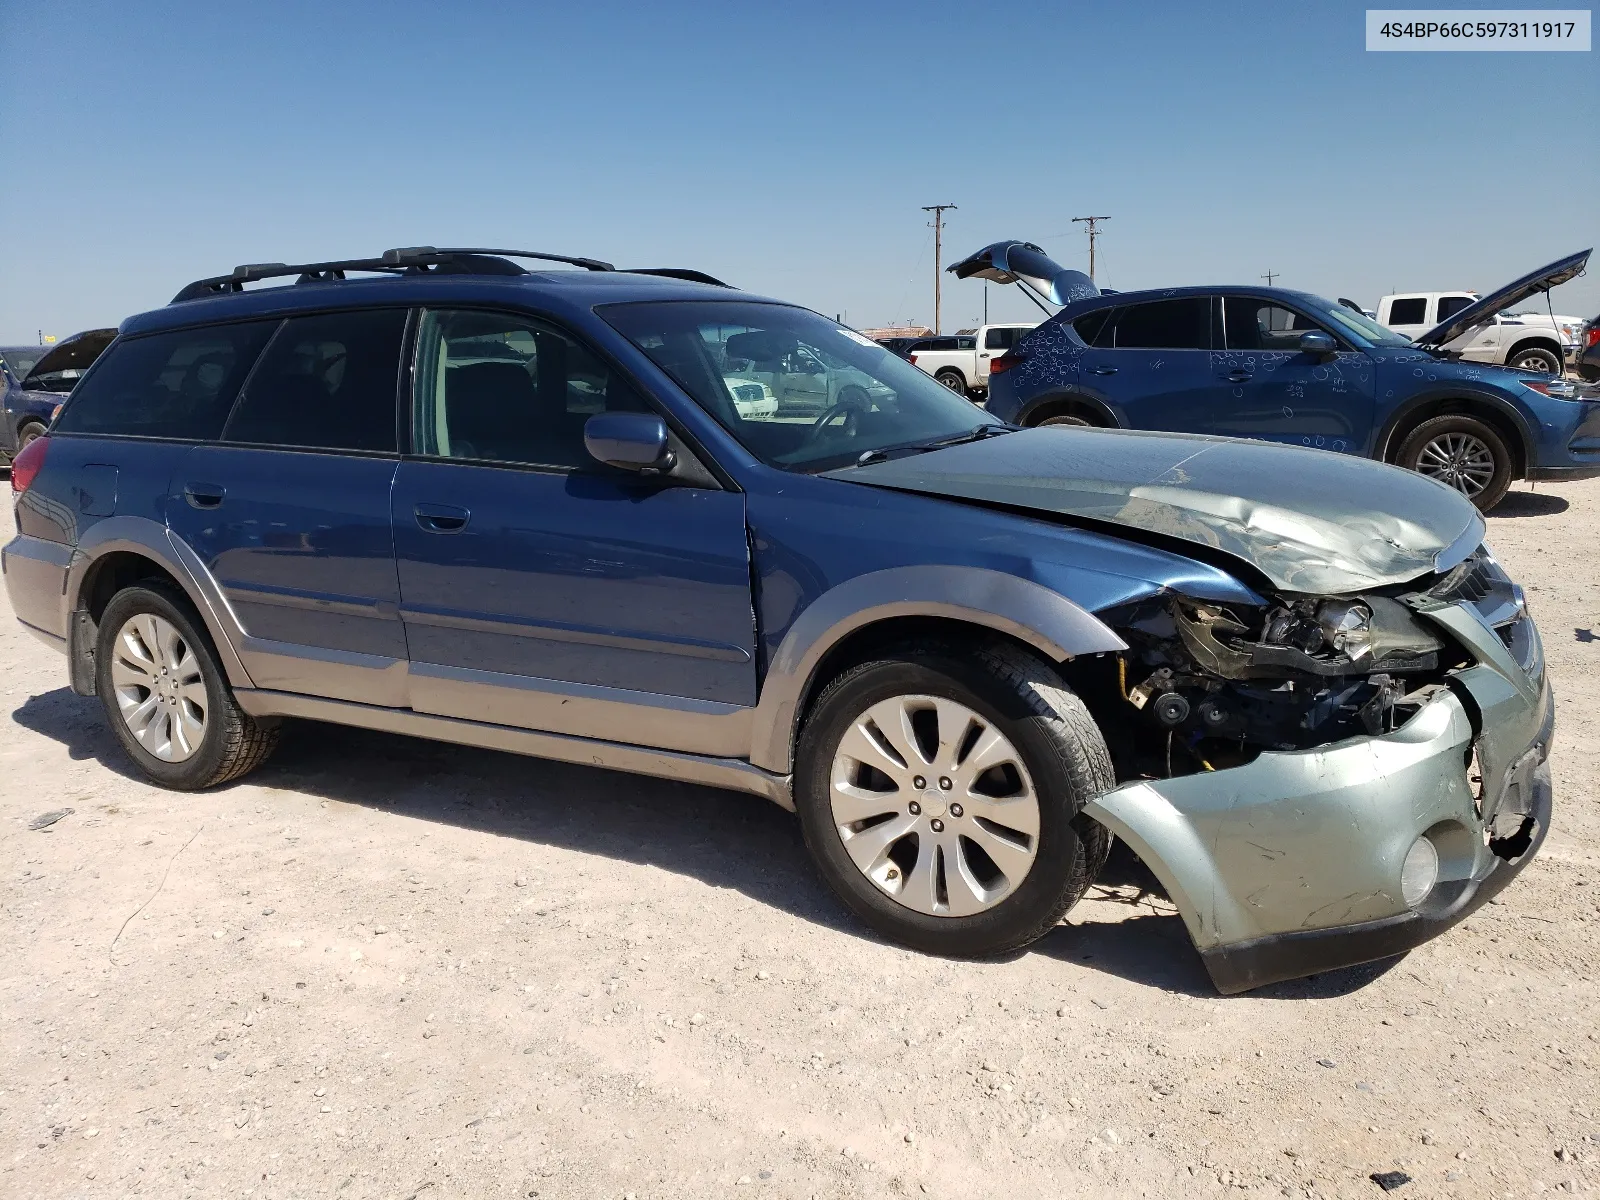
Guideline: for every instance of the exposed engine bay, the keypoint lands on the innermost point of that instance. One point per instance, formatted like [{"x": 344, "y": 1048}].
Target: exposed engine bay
[{"x": 1203, "y": 686}]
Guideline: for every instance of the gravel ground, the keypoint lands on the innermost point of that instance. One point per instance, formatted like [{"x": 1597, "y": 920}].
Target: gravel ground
[{"x": 390, "y": 968}]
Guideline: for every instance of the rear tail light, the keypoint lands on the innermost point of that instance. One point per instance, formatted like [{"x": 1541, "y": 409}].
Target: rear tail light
[
  {"x": 1004, "y": 363},
  {"x": 26, "y": 465},
  {"x": 1593, "y": 336},
  {"x": 913, "y": 359}
]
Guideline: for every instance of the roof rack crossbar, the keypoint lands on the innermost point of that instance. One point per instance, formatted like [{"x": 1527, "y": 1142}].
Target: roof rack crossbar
[{"x": 404, "y": 260}]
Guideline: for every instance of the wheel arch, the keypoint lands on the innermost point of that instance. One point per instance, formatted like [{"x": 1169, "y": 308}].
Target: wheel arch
[
  {"x": 1068, "y": 402},
  {"x": 952, "y": 369},
  {"x": 881, "y": 607},
  {"x": 1499, "y": 414},
  {"x": 120, "y": 551}
]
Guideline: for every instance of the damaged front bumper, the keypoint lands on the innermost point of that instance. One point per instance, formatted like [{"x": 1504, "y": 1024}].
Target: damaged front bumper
[{"x": 1292, "y": 864}]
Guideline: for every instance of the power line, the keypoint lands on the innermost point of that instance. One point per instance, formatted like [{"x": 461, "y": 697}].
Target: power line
[
  {"x": 1270, "y": 276},
  {"x": 938, "y": 211},
  {"x": 1093, "y": 234}
]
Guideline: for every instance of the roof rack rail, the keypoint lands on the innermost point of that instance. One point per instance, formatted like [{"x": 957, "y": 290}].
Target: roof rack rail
[{"x": 403, "y": 260}]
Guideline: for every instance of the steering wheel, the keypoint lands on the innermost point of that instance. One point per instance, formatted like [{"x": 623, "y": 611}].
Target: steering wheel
[{"x": 852, "y": 403}]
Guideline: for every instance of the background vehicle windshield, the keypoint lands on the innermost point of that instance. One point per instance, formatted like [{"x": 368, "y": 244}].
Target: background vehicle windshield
[
  {"x": 1363, "y": 328},
  {"x": 21, "y": 361},
  {"x": 797, "y": 390}
]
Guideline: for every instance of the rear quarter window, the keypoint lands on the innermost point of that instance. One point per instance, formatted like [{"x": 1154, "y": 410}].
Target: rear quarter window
[
  {"x": 1413, "y": 311},
  {"x": 1089, "y": 326},
  {"x": 166, "y": 385}
]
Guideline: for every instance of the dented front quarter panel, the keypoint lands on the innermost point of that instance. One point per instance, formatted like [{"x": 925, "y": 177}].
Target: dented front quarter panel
[{"x": 1314, "y": 840}]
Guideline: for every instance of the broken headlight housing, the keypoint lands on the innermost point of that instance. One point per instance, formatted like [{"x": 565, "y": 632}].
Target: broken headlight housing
[{"x": 1216, "y": 684}]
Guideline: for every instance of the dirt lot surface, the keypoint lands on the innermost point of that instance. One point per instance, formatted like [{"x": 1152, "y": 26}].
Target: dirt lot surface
[{"x": 390, "y": 968}]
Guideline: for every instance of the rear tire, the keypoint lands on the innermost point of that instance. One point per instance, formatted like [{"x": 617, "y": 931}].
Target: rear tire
[
  {"x": 954, "y": 380},
  {"x": 1537, "y": 358},
  {"x": 1463, "y": 452},
  {"x": 987, "y": 705},
  {"x": 166, "y": 696},
  {"x": 1064, "y": 419}
]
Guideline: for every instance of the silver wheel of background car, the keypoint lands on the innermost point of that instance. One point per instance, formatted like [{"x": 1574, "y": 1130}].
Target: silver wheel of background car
[
  {"x": 160, "y": 691},
  {"x": 1459, "y": 459},
  {"x": 1540, "y": 360},
  {"x": 934, "y": 805}
]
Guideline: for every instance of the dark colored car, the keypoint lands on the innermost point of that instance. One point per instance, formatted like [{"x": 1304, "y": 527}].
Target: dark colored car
[
  {"x": 905, "y": 347},
  {"x": 1587, "y": 361},
  {"x": 38, "y": 378},
  {"x": 528, "y": 510},
  {"x": 1290, "y": 367}
]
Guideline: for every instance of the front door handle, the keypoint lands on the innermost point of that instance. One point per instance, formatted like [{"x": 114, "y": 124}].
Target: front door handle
[
  {"x": 204, "y": 495},
  {"x": 1238, "y": 376},
  {"x": 1102, "y": 370},
  {"x": 442, "y": 518}
]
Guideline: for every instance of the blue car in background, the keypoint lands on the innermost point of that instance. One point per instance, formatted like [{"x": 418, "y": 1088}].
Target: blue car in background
[
  {"x": 37, "y": 379},
  {"x": 1287, "y": 366}
]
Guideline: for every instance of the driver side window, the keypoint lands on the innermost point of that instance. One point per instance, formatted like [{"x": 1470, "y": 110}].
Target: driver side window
[
  {"x": 501, "y": 388},
  {"x": 1251, "y": 324}
]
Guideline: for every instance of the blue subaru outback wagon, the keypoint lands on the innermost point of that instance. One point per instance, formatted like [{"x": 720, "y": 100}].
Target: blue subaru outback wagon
[
  {"x": 555, "y": 512},
  {"x": 1287, "y": 366}
]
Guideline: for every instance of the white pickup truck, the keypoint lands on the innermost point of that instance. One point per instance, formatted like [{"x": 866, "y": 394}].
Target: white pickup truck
[
  {"x": 1527, "y": 340},
  {"x": 964, "y": 367}
]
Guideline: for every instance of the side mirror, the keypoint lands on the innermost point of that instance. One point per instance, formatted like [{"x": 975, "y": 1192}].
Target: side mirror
[
  {"x": 631, "y": 441},
  {"x": 1314, "y": 341}
]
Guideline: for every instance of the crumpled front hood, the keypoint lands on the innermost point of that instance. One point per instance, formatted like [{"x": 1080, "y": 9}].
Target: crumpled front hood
[{"x": 1311, "y": 521}]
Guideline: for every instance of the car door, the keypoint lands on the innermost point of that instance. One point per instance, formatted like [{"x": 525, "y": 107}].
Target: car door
[
  {"x": 1150, "y": 363},
  {"x": 542, "y": 589},
  {"x": 997, "y": 340},
  {"x": 289, "y": 511},
  {"x": 1270, "y": 389}
]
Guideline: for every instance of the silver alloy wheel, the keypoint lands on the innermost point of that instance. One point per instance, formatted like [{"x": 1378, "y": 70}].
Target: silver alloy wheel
[
  {"x": 934, "y": 805},
  {"x": 1459, "y": 459},
  {"x": 160, "y": 690},
  {"x": 1537, "y": 362},
  {"x": 953, "y": 382}
]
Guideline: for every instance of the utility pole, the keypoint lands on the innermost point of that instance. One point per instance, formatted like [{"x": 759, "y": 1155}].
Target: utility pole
[
  {"x": 1093, "y": 233},
  {"x": 1270, "y": 276},
  {"x": 938, "y": 211}
]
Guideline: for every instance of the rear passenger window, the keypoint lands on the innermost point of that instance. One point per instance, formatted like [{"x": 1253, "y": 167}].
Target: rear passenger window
[
  {"x": 1166, "y": 325},
  {"x": 1408, "y": 312},
  {"x": 1089, "y": 326},
  {"x": 998, "y": 339},
  {"x": 1449, "y": 306},
  {"x": 167, "y": 385},
  {"x": 326, "y": 382},
  {"x": 494, "y": 387}
]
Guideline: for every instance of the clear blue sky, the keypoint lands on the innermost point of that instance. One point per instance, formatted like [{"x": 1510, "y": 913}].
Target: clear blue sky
[{"x": 786, "y": 148}]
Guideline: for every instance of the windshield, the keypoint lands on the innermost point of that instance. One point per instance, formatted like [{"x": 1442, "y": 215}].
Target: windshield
[
  {"x": 21, "y": 361},
  {"x": 1363, "y": 328},
  {"x": 799, "y": 391}
]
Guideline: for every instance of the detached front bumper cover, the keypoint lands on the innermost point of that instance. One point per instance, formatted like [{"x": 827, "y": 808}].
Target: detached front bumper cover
[{"x": 1291, "y": 864}]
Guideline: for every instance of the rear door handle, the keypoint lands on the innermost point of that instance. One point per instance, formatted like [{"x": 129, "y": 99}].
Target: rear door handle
[
  {"x": 1102, "y": 370},
  {"x": 442, "y": 518},
  {"x": 204, "y": 495},
  {"x": 1238, "y": 376}
]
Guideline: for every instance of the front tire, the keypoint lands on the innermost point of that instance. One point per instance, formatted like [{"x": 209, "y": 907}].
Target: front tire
[
  {"x": 1538, "y": 358},
  {"x": 941, "y": 792},
  {"x": 166, "y": 696},
  {"x": 30, "y": 431},
  {"x": 1463, "y": 452}
]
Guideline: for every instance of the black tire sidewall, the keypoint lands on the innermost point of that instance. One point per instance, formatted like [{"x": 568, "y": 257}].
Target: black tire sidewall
[
  {"x": 199, "y": 768},
  {"x": 1064, "y": 420},
  {"x": 1061, "y": 853},
  {"x": 30, "y": 431},
  {"x": 957, "y": 377},
  {"x": 1545, "y": 357},
  {"x": 1499, "y": 483}
]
